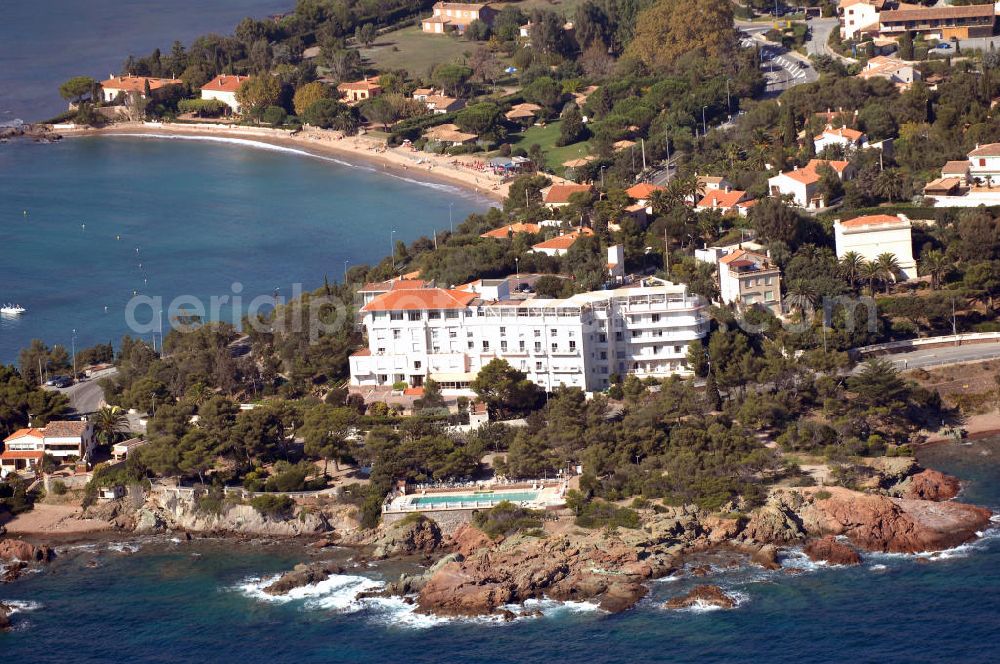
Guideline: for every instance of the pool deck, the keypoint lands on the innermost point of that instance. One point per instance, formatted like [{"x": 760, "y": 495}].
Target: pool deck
[{"x": 548, "y": 496}]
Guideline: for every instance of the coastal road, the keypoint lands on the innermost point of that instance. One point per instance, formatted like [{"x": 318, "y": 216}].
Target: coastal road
[
  {"x": 86, "y": 396},
  {"x": 782, "y": 68},
  {"x": 935, "y": 357}
]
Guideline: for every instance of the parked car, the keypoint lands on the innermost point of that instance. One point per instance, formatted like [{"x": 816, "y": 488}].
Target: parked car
[
  {"x": 943, "y": 46},
  {"x": 59, "y": 381}
]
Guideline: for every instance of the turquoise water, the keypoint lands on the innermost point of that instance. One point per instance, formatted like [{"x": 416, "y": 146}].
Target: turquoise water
[
  {"x": 201, "y": 601},
  {"x": 87, "y": 222},
  {"x": 513, "y": 496},
  {"x": 45, "y": 42}
]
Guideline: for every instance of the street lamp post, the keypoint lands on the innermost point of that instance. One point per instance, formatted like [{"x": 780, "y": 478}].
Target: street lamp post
[
  {"x": 73, "y": 342},
  {"x": 345, "y": 272},
  {"x": 392, "y": 248},
  {"x": 704, "y": 129},
  {"x": 451, "y": 221}
]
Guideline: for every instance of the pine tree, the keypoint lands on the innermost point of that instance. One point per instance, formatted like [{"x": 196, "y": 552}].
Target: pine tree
[
  {"x": 712, "y": 396},
  {"x": 788, "y": 134}
]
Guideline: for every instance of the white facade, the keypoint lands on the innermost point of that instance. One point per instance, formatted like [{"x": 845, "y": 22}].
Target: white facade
[
  {"x": 226, "y": 97},
  {"x": 855, "y": 15},
  {"x": 984, "y": 164},
  {"x": 848, "y": 139},
  {"x": 874, "y": 235},
  {"x": 577, "y": 342}
]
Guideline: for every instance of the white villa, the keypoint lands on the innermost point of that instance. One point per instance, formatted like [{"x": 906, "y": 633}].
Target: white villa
[
  {"x": 984, "y": 163},
  {"x": 223, "y": 88},
  {"x": 449, "y": 335},
  {"x": 748, "y": 279},
  {"x": 23, "y": 450},
  {"x": 849, "y": 139},
  {"x": 802, "y": 184},
  {"x": 877, "y": 234}
]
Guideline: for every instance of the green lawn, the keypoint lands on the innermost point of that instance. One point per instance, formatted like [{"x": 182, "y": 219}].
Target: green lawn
[
  {"x": 416, "y": 51},
  {"x": 565, "y": 7},
  {"x": 546, "y": 137}
]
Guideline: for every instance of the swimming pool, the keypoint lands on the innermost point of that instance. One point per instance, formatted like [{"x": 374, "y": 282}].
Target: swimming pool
[{"x": 484, "y": 497}]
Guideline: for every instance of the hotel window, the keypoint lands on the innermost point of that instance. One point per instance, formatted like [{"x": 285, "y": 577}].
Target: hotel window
[
  {"x": 538, "y": 366},
  {"x": 434, "y": 334},
  {"x": 677, "y": 349},
  {"x": 382, "y": 379},
  {"x": 555, "y": 347},
  {"x": 437, "y": 349},
  {"x": 538, "y": 346},
  {"x": 416, "y": 315},
  {"x": 769, "y": 296},
  {"x": 520, "y": 345},
  {"x": 416, "y": 348},
  {"x": 486, "y": 344},
  {"x": 416, "y": 364},
  {"x": 538, "y": 333},
  {"x": 553, "y": 332},
  {"x": 503, "y": 331},
  {"x": 572, "y": 345},
  {"x": 602, "y": 338},
  {"x": 503, "y": 346},
  {"x": 604, "y": 355},
  {"x": 380, "y": 350},
  {"x": 618, "y": 336},
  {"x": 395, "y": 315},
  {"x": 433, "y": 315},
  {"x": 452, "y": 334},
  {"x": 655, "y": 318},
  {"x": 451, "y": 314}
]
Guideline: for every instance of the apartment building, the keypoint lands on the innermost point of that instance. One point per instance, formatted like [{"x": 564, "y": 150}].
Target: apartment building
[
  {"x": 449, "y": 335},
  {"x": 749, "y": 279}
]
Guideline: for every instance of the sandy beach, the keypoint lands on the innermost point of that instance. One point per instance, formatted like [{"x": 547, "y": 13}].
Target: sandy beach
[
  {"x": 372, "y": 152},
  {"x": 54, "y": 520}
]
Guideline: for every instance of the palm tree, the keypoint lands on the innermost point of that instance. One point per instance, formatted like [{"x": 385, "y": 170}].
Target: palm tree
[
  {"x": 936, "y": 264},
  {"x": 109, "y": 423},
  {"x": 851, "y": 265},
  {"x": 734, "y": 154},
  {"x": 870, "y": 272},
  {"x": 888, "y": 268},
  {"x": 802, "y": 295}
]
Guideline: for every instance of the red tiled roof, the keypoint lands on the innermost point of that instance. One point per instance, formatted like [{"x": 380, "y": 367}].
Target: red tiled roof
[
  {"x": 369, "y": 84},
  {"x": 873, "y": 220},
  {"x": 951, "y": 167},
  {"x": 809, "y": 173},
  {"x": 419, "y": 300},
  {"x": 225, "y": 83},
  {"x": 720, "y": 198},
  {"x": 17, "y": 454},
  {"x": 850, "y": 134},
  {"x": 937, "y": 13},
  {"x": 20, "y": 433},
  {"x": 563, "y": 241},
  {"x": 138, "y": 83},
  {"x": 988, "y": 150},
  {"x": 560, "y": 193},
  {"x": 393, "y": 284},
  {"x": 643, "y": 190},
  {"x": 518, "y": 227},
  {"x": 65, "y": 429},
  {"x": 364, "y": 352}
]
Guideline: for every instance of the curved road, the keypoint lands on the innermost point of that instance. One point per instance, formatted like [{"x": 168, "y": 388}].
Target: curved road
[{"x": 942, "y": 355}]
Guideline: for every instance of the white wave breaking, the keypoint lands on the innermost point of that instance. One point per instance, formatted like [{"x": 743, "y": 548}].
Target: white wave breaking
[
  {"x": 339, "y": 594},
  {"x": 21, "y": 606},
  {"x": 262, "y": 145}
]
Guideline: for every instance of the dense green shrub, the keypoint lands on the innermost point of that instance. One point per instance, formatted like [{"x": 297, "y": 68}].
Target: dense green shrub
[
  {"x": 506, "y": 518},
  {"x": 273, "y": 506},
  {"x": 600, "y": 514}
]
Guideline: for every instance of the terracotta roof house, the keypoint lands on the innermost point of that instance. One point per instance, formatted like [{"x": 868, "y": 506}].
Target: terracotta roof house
[
  {"x": 371, "y": 290},
  {"x": 726, "y": 201},
  {"x": 456, "y": 16},
  {"x": 450, "y": 134},
  {"x": 942, "y": 22},
  {"x": 560, "y": 244},
  {"x": 849, "y": 139},
  {"x": 223, "y": 88},
  {"x": 875, "y": 234},
  {"x": 748, "y": 278},
  {"x": 643, "y": 191},
  {"x": 558, "y": 195},
  {"x": 900, "y": 72},
  {"x": 440, "y": 104},
  {"x": 504, "y": 232},
  {"x": 358, "y": 91},
  {"x": 802, "y": 184},
  {"x": 115, "y": 85},
  {"x": 420, "y": 300},
  {"x": 521, "y": 112}
]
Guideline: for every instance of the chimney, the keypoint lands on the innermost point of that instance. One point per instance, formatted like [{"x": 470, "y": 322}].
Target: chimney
[{"x": 728, "y": 189}]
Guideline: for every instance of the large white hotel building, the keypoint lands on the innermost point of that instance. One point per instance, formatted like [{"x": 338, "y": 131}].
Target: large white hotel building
[{"x": 417, "y": 332}]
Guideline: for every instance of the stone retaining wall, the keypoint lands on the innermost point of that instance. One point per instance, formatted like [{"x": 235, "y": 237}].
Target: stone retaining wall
[{"x": 447, "y": 520}]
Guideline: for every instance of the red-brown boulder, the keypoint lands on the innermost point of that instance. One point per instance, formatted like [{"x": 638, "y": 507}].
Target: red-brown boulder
[
  {"x": 829, "y": 550},
  {"x": 701, "y": 596},
  {"x": 15, "y": 549},
  {"x": 932, "y": 485}
]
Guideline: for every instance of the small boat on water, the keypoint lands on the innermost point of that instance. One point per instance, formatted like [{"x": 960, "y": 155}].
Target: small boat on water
[{"x": 12, "y": 310}]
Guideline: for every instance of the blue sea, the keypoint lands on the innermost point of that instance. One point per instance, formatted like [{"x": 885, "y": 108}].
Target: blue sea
[
  {"x": 158, "y": 600},
  {"x": 45, "y": 42},
  {"x": 87, "y": 223}
]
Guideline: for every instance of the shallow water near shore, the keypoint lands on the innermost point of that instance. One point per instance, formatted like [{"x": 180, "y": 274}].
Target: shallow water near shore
[
  {"x": 174, "y": 600},
  {"x": 88, "y": 222}
]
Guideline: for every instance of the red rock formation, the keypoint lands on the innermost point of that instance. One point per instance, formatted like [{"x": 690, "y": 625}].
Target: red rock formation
[
  {"x": 932, "y": 485},
  {"x": 878, "y": 523},
  {"x": 700, "y": 595},
  {"x": 830, "y": 550},
  {"x": 14, "y": 549},
  {"x": 468, "y": 539}
]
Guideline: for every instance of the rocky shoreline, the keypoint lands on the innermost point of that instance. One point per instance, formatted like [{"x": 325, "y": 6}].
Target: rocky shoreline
[
  {"x": 41, "y": 133},
  {"x": 469, "y": 574}
]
